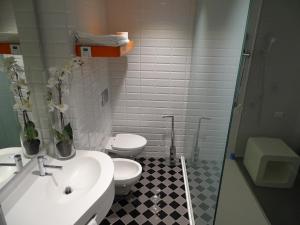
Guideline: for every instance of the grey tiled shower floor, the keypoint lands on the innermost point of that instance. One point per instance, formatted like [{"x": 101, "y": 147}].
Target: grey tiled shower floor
[
  {"x": 158, "y": 198},
  {"x": 204, "y": 181}
]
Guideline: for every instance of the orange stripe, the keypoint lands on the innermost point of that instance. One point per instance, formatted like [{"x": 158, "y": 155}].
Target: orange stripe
[
  {"x": 107, "y": 51},
  {"x": 5, "y": 48}
]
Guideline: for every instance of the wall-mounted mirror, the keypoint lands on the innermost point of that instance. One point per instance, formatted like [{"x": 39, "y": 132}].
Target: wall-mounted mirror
[{"x": 20, "y": 138}]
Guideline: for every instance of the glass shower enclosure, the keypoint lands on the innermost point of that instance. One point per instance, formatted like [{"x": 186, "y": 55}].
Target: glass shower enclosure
[{"x": 219, "y": 33}]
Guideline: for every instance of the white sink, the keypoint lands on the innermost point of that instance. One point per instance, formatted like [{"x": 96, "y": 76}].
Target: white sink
[
  {"x": 6, "y": 156},
  {"x": 89, "y": 178}
]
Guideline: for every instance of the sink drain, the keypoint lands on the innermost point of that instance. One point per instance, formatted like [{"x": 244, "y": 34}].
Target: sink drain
[{"x": 68, "y": 190}]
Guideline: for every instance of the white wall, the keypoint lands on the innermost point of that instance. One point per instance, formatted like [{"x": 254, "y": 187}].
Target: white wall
[
  {"x": 152, "y": 80},
  {"x": 156, "y": 78},
  {"x": 218, "y": 39},
  {"x": 7, "y": 17},
  {"x": 274, "y": 84}
]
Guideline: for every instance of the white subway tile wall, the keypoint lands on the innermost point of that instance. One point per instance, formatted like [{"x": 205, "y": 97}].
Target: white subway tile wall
[
  {"x": 152, "y": 80},
  {"x": 183, "y": 64}
]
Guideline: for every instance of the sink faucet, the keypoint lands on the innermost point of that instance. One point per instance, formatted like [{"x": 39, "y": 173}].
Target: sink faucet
[
  {"x": 172, "y": 147},
  {"x": 18, "y": 163},
  {"x": 42, "y": 166}
]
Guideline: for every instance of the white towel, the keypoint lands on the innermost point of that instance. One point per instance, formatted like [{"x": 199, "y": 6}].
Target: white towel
[
  {"x": 101, "y": 40},
  {"x": 92, "y": 221}
]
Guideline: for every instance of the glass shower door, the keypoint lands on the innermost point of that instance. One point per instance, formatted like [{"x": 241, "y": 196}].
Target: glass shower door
[{"x": 216, "y": 58}]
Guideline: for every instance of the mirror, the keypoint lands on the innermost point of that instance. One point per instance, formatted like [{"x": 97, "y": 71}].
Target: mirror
[{"x": 20, "y": 138}]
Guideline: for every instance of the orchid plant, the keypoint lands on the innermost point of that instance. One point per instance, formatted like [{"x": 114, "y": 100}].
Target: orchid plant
[
  {"x": 20, "y": 90},
  {"x": 58, "y": 89}
]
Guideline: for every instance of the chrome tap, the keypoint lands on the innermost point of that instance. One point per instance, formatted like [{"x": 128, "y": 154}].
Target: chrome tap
[
  {"x": 42, "y": 166},
  {"x": 18, "y": 163},
  {"x": 172, "y": 147}
]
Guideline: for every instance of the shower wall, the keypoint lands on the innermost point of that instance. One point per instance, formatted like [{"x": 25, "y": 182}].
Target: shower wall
[
  {"x": 271, "y": 105},
  {"x": 218, "y": 38}
]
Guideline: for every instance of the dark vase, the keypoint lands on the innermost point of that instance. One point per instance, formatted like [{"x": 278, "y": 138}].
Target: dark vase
[
  {"x": 32, "y": 147},
  {"x": 64, "y": 148}
]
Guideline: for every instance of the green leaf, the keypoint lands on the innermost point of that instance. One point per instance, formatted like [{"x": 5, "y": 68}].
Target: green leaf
[
  {"x": 68, "y": 131},
  {"x": 30, "y": 133},
  {"x": 30, "y": 124},
  {"x": 59, "y": 136}
]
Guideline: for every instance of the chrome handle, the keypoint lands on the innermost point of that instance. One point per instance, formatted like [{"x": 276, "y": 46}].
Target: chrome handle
[
  {"x": 53, "y": 167},
  {"x": 7, "y": 164},
  {"x": 18, "y": 161}
]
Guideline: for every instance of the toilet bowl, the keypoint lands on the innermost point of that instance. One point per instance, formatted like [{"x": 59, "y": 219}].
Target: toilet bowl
[
  {"x": 126, "y": 145},
  {"x": 127, "y": 173}
]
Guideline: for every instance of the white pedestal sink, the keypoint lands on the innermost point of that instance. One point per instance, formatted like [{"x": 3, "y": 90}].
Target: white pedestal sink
[{"x": 82, "y": 189}]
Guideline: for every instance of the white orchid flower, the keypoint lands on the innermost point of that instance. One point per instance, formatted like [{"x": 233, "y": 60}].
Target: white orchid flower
[
  {"x": 62, "y": 107},
  {"x": 65, "y": 89},
  {"x": 51, "y": 106},
  {"x": 52, "y": 81},
  {"x": 24, "y": 105},
  {"x": 52, "y": 71},
  {"x": 22, "y": 83}
]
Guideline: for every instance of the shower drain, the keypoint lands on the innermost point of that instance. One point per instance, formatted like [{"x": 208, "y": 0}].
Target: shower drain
[{"x": 68, "y": 190}]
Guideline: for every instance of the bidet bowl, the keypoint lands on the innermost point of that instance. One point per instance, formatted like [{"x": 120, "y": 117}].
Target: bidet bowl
[{"x": 127, "y": 173}]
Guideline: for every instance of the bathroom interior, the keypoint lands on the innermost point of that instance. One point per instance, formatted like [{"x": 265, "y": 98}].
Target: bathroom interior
[{"x": 149, "y": 112}]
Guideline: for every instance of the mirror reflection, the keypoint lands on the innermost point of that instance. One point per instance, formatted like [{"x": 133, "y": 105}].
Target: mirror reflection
[{"x": 18, "y": 136}]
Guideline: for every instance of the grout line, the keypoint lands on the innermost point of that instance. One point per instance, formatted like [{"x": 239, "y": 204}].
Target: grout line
[{"x": 187, "y": 191}]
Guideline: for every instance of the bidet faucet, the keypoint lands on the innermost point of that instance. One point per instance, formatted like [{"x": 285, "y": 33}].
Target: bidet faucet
[
  {"x": 42, "y": 166},
  {"x": 172, "y": 147},
  {"x": 18, "y": 163}
]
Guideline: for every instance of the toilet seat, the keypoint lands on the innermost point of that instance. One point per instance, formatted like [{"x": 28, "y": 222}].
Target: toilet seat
[{"x": 128, "y": 142}]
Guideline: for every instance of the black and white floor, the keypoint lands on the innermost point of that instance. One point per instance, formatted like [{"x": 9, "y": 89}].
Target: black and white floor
[
  {"x": 158, "y": 198},
  {"x": 204, "y": 178}
]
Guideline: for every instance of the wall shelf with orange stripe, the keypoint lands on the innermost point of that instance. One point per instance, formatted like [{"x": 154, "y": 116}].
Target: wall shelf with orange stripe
[
  {"x": 103, "y": 51},
  {"x": 10, "y": 49}
]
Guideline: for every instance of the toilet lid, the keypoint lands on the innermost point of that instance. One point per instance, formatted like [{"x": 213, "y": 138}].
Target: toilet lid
[{"x": 128, "y": 142}]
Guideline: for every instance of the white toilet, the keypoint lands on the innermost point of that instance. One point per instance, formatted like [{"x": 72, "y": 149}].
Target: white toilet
[{"x": 127, "y": 171}]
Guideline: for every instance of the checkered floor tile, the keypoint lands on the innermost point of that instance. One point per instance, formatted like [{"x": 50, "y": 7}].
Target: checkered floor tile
[
  {"x": 204, "y": 184},
  {"x": 158, "y": 198}
]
